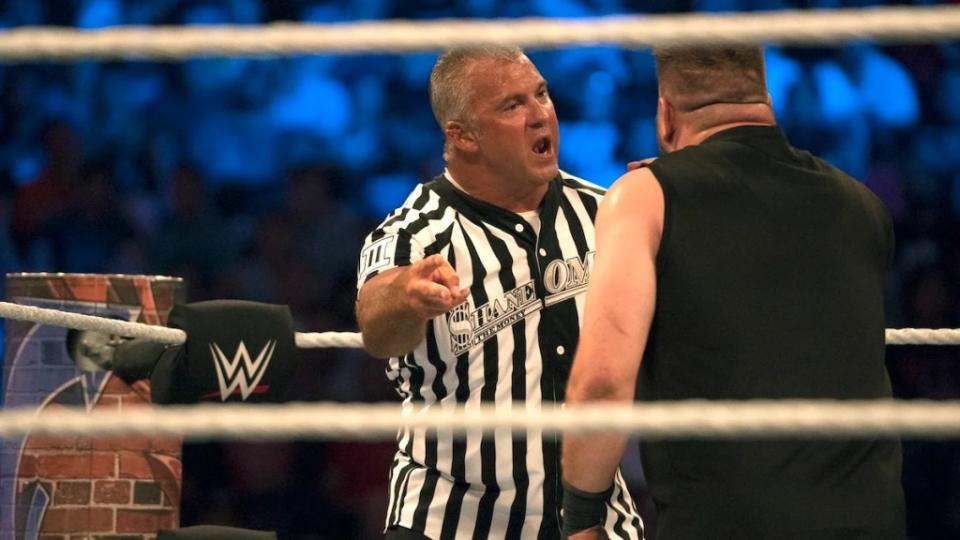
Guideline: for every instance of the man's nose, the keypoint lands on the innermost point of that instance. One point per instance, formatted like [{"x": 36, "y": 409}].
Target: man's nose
[{"x": 539, "y": 114}]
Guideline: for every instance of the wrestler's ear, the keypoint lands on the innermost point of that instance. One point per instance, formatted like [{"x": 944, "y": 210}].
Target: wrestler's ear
[
  {"x": 666, "y": 124},
  {"x": 461, "y": 136}
]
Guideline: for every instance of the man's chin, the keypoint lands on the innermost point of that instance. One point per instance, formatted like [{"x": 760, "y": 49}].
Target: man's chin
[{"x": 548, "y": 173}]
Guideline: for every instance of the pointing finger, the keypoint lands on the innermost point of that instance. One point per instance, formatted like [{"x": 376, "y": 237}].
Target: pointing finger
[
  {"x": 446, "y": 275},
  {"x": 459, "y": 295},
  {"x": 426, "y": 267}
]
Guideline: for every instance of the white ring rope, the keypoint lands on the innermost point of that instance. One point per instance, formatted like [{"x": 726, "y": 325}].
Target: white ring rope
[
  {"x": 685, "y": 419},
  {"x": 78, "y": 321},
  {"x": 174, "y": 336},
  {"x": 923, "y": 336},
  {"x": 159, "y": 334},
  {"x": 892, "y": 24},
  {"x": 322, "y": 340}
]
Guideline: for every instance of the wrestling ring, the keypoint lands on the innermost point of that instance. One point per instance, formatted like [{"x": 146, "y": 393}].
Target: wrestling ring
[{"x": 696, "y": 419}]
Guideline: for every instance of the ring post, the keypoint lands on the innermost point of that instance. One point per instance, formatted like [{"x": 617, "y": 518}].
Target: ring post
[{"x": 71, "y": 487}]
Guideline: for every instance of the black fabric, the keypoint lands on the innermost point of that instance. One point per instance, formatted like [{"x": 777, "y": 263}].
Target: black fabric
[
  {"x": 402, "y": 533},
  {"x": 214, "y": 532},
  {"x": 583, "y": 510},
  {"x": 771, "y": 278},
  {"x": 135, "y": 359},
  {"x": 211, "y": 363}
]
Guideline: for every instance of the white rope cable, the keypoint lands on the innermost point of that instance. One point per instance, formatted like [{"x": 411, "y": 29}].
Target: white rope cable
[
  {"x": 79, "y": 321},
  {"x": 321, "y": 340},
  {"x": 890, "y": 24},
  {"x": 685, "y": 419},
  {"x": 174, "y": 336},
  {"x": 159, "y": 334},
  {"x": 923, "y": 336}
]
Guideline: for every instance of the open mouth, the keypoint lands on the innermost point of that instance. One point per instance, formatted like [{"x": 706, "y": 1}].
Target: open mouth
[{"x": 543, "y": 146}]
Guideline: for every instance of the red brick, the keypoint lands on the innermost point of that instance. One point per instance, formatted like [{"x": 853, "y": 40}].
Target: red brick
[
  {"x": 72, "y": 493},
  {"x": 77, "y": 520},
  {"x": 134, "y": 465},
  {"x": 85, "y": 465},
  {"x": 28, "y": 465},
  {"x": 111, "y": 492},
  {"x": 84, "y": 444},
  {"x": 123, "y": 443},
  {"x": 43, "y": 442},
  {"x": 90, "y": 288},
  {"x": 168, "y": 445},
  {"x": 144, "y": 521},
  {"x": 102, "y": 519},
  {"x": 52, "y": 537},
  {"x": 55, "y": 519}
]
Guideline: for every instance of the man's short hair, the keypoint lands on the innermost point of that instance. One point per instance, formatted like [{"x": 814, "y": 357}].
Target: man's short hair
[
  {"x": 695, "y": 76},
  {"x": 449, "y": 96}
]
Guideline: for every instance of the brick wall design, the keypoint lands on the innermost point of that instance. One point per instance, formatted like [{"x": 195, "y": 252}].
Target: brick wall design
[{"x": 68, "y": 488}]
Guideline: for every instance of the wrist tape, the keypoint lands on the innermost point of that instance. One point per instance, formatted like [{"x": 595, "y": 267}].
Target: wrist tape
[{"x": 582, "y": 509}]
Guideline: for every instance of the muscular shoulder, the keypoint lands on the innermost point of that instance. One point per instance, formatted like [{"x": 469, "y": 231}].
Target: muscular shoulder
[
  {"x": 632, "y": 213},
  {"x": 637, "y": 190}
]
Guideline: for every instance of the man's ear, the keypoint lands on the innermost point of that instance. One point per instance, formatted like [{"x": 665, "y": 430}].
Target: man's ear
[
  {"x": 460, "y": 136},
  {"x": 666, "y": 124}
]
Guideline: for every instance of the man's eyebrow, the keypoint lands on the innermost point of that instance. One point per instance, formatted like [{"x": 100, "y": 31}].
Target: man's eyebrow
[
  {"x": 542, "y": 85},
  {"x": 510, "y": 97}
]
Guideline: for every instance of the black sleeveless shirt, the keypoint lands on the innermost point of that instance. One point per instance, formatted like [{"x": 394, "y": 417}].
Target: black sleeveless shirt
[{"x": 771, "y": 281}]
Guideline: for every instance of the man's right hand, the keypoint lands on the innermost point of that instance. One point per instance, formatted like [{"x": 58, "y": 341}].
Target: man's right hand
[
  {"x": 431, "y": 287},
  {"x": 393, "y": 307}
]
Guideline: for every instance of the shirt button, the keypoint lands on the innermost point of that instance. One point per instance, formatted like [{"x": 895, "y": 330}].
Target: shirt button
[
  {"x": 543, "y": 252},
  {"x": 560, "y": 349},
  {"x": 519, "y": 227}
]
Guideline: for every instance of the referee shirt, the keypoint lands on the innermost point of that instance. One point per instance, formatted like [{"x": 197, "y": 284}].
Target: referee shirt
[{"x": 510, "y": 344}]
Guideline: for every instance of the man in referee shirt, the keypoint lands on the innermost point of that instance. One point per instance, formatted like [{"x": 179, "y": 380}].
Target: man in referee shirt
[
  {"x": 736, "y": 267},
  {"x": 474, "y": 289}
]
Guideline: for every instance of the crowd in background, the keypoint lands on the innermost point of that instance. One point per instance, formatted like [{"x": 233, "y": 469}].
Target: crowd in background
[{"x": 257, "y": 178}]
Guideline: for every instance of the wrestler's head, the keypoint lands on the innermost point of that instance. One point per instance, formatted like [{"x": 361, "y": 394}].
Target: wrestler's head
[
  {"x": 496, "y": 114},
  {"x": 705, "y": 86}
]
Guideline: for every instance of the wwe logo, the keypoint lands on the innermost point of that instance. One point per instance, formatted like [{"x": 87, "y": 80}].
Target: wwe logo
[{"x": 231, "y": 374}]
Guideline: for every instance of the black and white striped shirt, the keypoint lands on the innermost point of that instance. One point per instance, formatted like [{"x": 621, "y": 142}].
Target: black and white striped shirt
[{"x": 510, "y": 344}]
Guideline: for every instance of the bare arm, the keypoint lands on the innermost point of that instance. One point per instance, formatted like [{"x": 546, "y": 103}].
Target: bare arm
[
  {"x": 394, "y": 307},
  {"x": 617, "y": 319}
]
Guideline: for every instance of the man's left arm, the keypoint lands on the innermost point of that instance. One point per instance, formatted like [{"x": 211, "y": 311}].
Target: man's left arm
[{"x": 617, "y": 318}]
